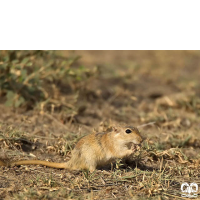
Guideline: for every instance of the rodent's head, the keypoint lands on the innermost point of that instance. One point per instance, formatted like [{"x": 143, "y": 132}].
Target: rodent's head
[{"x": 128, "y": 134}]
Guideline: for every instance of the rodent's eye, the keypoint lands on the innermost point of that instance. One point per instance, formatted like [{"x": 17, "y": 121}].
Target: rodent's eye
[{"x": 128, "y": 131}]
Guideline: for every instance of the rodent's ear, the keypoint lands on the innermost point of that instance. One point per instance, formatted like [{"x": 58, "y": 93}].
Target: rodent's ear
[{"x": 114, "y": 128}]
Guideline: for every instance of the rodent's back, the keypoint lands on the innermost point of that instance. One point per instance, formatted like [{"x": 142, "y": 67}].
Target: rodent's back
[{"x": 87, "y": 154}]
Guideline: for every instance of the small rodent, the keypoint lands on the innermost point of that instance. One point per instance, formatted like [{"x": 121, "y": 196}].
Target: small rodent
[{"x": 96, "y": 149}]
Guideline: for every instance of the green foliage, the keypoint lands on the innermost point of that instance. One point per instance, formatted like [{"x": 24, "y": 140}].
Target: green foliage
[{"x": 29, "y": 77}]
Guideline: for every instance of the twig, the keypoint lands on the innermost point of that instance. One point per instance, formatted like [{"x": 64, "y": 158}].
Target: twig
[{"x": 150, "y": 123}]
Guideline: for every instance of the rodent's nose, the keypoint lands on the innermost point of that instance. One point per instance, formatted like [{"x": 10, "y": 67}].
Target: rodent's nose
[{"x": 141, "y": 140}]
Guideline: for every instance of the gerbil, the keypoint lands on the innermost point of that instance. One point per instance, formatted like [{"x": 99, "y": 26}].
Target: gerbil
[{"x": 96, "y": 149}]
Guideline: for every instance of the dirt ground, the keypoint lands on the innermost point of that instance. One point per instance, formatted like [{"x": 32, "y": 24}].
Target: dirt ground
[{"x": 130, "y": 87}]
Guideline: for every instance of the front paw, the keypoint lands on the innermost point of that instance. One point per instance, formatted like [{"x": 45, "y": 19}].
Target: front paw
[{"x": 135, "y": 148}]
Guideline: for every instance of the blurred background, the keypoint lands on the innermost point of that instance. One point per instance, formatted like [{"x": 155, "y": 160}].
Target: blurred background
[{"x": 62, "y": 80}]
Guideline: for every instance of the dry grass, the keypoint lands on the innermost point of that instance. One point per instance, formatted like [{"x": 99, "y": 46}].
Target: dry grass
[{"x": 130, "y": 87}]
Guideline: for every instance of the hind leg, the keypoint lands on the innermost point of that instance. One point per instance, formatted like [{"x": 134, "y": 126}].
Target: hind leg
[{"x": 91, "y": 164}]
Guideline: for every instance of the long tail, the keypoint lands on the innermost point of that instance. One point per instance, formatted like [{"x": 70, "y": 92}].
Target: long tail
[{"x": 40, "y": 162}]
